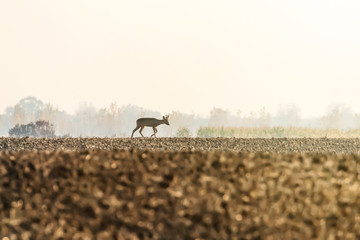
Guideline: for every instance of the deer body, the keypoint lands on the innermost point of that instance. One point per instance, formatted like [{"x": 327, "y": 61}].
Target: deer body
[{"x": 150, "y": 122}]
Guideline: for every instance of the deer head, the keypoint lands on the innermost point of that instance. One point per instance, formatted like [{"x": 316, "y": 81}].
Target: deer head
[{"x": 166, "y": 119}]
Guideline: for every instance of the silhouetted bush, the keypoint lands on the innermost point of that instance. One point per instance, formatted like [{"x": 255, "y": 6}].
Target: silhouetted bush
[{"x": 40, "y": 128}]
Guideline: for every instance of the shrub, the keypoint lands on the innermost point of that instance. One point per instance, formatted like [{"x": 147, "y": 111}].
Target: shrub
[
  {"x": 183, "y": 132},
  {"x": 38, "y": 129},
  {"x": 275, "y": 132}
]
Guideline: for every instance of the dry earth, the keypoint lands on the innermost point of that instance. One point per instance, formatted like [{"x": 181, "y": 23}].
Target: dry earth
[
  {"x": 128, "y": 189},
  {"x": 279, "y": 145}
]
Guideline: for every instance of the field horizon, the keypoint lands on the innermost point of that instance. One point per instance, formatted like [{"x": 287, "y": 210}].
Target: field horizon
[{"x": 277, "y": 145}]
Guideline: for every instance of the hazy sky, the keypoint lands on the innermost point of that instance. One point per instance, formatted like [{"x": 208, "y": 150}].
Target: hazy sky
[{"x": 188, "y": 56}]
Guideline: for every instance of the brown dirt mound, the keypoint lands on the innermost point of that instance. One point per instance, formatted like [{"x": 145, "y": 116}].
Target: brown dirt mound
[{"x": 136, "y": 194}]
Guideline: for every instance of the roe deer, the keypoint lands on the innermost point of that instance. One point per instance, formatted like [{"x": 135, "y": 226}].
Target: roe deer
[{"x": 150, "y": 122}]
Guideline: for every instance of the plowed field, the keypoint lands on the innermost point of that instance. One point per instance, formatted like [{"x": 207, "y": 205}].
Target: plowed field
[
  {"x": 197, "y": 188},
  {"x": 279, "y": 145}
]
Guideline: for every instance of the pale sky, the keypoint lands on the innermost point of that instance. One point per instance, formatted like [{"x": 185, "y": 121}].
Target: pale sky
[{"x": 187, "y": 56}]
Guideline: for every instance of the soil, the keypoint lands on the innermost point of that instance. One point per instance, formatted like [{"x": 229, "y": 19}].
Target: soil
[
  {"x": 279, "y": 145},
  {"x": 178, "y": 188}
]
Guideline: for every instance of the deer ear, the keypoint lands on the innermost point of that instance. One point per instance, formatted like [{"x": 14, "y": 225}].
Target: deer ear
[{"x": 164, "y": 117}]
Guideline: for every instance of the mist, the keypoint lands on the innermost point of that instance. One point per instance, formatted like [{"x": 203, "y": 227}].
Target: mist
[
  {"x": 190, "y": 56},
  {"x": 119, "y": 120}
]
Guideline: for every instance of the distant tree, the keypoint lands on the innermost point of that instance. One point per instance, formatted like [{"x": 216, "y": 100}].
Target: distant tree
[
  {"x": 264, "y": 119},
  {"x": 32, "y": 106},
  {"x": 85, "y": 121},
  {"x": 48, "y": 113},
  {"x": 251, "y": 120},
  {"x": 357, "y": 120},
  {"x": 18, "y": 116},
  {"x": 175, "y": 119},
  {"x": 287, "y": 115},
  {"x": 64, "y": 123},
  {"x": 110, "y": 120},
  {"x": 336, "y": 117},
  {"x": 236, "y": 119},
  {"x": 1, "y": 124},
  {"x": 218, "y": 117},
  {"x": 24, "y": 111}
]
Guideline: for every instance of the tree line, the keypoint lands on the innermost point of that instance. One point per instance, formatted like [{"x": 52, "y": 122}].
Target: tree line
[{"x": 119, "y": 121}]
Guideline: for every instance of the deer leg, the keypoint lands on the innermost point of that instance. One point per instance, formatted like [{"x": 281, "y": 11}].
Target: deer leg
[
  {"x": 155, "y": 131},
  {"x": 141, "y": 131},
  {"x": 137, "y": 127}
]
